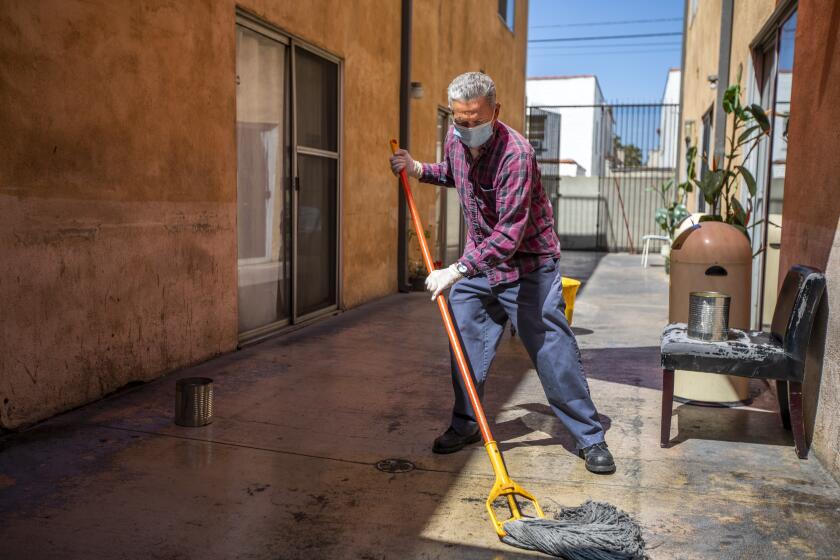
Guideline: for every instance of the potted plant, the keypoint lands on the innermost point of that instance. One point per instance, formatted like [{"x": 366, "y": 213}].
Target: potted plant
[
  {"x": 719, "y": 184},
  {"x": 416, "y": 268},
  {"x": 720, "y": 178},
  {"x": 673, "y": 211},
  {"x": 417, "y": 276}
]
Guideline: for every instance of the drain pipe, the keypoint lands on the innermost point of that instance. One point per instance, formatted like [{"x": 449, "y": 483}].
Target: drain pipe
[
  {"x": 725, "y": 53},
  {"x": 405, "y": 132},
  {"x": 680, "y": 110}
]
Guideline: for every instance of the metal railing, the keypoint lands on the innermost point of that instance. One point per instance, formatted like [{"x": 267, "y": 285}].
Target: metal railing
[{"x": 600, "y": 169}]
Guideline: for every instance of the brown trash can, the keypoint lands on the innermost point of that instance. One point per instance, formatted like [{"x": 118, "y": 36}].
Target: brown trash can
[{"x": 711, "y": 257}]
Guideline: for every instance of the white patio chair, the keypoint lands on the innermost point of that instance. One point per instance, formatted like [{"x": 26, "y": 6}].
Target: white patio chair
[{"x": 647, "y": 239}]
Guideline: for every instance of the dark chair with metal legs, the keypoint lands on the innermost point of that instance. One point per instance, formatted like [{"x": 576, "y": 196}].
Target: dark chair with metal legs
[{"x": 778, "y": 355}]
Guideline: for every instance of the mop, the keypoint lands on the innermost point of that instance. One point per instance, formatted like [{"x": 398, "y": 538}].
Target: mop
[{"x": 593, "y": 531}]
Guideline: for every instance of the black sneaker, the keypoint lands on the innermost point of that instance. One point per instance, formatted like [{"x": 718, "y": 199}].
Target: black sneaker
[
  {"x": 598, "y": 458},
  {"x": 451, "y": 441}
]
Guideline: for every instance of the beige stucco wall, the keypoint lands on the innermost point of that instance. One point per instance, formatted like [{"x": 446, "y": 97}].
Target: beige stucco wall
[
  {"x": 496, "y": 50},
  {"x": 811, "y": 232},
  {"x": 702, "y": 39},
  {"x": 118, "y": 181},
  {"x": 702, "y": 59},
  {"x": 747, "y": 20}
]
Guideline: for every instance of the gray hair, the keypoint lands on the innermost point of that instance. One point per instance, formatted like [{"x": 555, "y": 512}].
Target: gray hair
[{"x": 472, "y": 85}]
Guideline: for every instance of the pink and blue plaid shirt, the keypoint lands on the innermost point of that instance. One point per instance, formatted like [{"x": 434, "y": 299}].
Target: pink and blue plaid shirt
[{"x": 510, "y": 223}]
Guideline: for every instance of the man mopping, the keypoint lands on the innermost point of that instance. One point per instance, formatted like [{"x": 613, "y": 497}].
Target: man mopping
[{"x": 509, "y": 269}]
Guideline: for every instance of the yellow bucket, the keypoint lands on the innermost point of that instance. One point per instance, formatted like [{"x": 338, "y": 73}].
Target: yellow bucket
[{"x": 570, "y": 288}]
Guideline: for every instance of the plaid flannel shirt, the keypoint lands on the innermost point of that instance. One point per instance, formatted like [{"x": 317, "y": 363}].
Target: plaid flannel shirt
[{"x": 510, "y": 222}]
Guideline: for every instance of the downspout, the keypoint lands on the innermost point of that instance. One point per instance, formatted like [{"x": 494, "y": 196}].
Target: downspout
[
  {"x": 405, "y": 131},
  {"x": 725, "y": 52},
  {"x": 680, "y": 115}
]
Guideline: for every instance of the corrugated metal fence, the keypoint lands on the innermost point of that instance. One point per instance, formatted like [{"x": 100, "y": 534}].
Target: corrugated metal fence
[{"x": 599, "y": 163}]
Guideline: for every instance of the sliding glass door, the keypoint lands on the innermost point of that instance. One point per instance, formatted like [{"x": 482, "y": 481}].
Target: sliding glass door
[
  {"x": 263, "y": 171},
  {"x": 451, "y": 228},
  {"x": 773, "y": 85},
  {"x": 316, "y": 147},
  {"x": 287, "y": 134}
]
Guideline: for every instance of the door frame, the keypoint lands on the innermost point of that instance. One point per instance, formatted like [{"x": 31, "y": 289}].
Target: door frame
[
  {"x": 258, "y": 25},
  {"x": 707, "y": 124},
  {"x": 296, "y": 151},
  {"x": 764, "y": 77},
  {"x": 443, "y": 203}
]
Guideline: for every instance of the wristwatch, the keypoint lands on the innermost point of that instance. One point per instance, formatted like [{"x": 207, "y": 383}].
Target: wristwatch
[{"x": 460, "y": 267}]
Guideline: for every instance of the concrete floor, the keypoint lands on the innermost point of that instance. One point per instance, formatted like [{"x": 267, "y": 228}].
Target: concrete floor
[{"x": 287, "y": 469}]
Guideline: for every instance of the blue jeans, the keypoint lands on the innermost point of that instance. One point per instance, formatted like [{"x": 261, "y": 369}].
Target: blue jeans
[{"x": 535, "y": 305}]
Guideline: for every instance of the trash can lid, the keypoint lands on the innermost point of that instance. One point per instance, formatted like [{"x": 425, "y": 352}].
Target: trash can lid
[{"x": 712, "y": 242}]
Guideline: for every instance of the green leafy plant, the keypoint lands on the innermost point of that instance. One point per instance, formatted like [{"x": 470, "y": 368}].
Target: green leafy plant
[
  {"x": 416, "y": 267},
  {"x": 720, "y": 180},
  {"x": 673, "y": 209},
  {"x": 419, "y": 270},
  {"x": 630, "y": 154},
  {"x": 412, "y": 234}
]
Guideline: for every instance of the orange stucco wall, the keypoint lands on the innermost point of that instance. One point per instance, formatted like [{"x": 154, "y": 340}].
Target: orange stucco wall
[
  {"x": 118, "y": 176},
  {"x": 117, "y": 195},
  {"x": 497, "y": 50}
]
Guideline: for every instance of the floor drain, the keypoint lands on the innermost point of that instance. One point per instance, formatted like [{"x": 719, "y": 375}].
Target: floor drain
[{"x": 395, "y": 465}]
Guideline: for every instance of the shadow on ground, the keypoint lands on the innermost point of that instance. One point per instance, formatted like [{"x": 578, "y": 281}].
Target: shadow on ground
[
  {"x": 757, "y": 423},
  {"x": 538, "y": 418},
  {"x": 581, "y": 266},
  {"x": 286, "y": 470}
]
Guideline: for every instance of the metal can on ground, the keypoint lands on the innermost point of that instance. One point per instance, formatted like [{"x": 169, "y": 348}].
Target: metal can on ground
[{"x": 194, "y": 401}]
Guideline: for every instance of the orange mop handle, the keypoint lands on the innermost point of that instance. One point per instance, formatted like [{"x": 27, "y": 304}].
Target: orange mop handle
[{"x": 460, "y": 357}]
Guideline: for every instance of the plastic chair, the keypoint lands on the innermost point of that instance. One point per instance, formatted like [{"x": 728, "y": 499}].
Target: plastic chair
[{"x": 647, "y": 239}]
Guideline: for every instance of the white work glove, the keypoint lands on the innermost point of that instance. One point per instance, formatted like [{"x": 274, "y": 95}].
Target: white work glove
[
  {"x": 439, "y": 280},
  {"x": 402, "y": 160}
]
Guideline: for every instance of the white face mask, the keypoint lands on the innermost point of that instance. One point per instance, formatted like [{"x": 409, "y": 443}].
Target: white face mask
[{"x": 476, "y": 136}]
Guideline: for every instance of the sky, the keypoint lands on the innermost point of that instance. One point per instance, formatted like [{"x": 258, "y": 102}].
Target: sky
[{"x": 630, "y": 70}]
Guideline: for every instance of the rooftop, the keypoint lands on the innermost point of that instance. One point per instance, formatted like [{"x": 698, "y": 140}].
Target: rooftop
[{"x": 575, "y": 77}]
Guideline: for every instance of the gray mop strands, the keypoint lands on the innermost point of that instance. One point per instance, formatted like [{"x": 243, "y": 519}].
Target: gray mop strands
[{"x": 593, "y": 531}]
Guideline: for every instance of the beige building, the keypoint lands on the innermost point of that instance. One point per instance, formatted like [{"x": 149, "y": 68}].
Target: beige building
[
  {"x": 179, "y": 178},
  {"x": 787, "y": 53}
]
